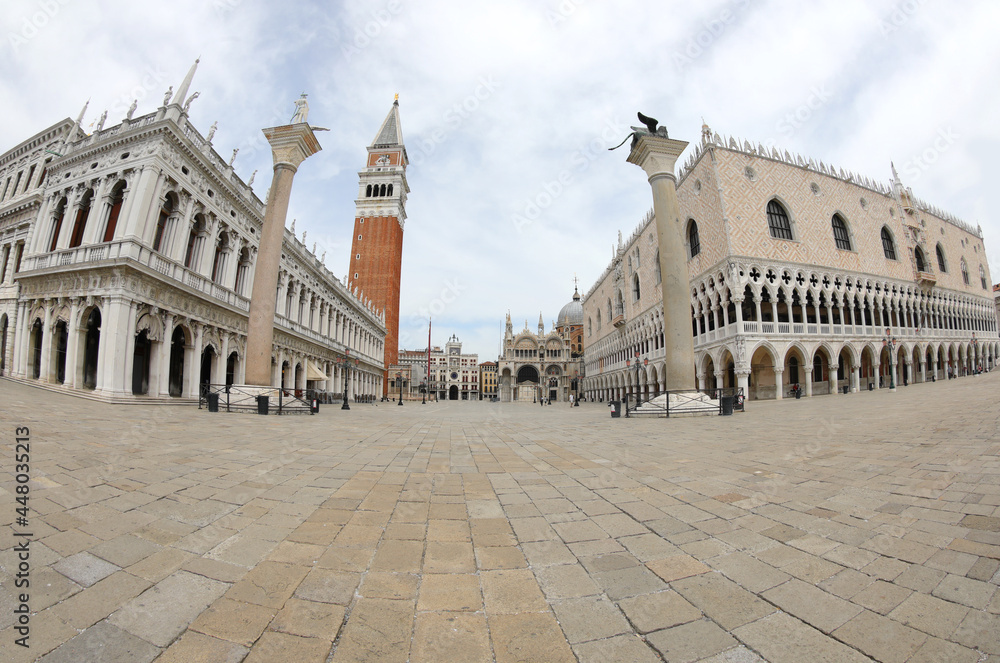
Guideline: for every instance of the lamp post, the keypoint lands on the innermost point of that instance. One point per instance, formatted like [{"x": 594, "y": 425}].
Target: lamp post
[
  {"x": 889, "y": 341},
  {"x": 576, "y": 383},
  {"x": 399, "y": 383},
  {"x": 423, "y": 393},
  {"x": 345, "y": 363},
  {"x": 975, "y": 345}
]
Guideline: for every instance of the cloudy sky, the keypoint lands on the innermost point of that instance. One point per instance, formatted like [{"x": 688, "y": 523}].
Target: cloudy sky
[{"x": 501, "y": 99}]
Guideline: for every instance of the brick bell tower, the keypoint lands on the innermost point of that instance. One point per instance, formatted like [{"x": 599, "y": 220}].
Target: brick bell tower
[{"x": 377, "y": 248}]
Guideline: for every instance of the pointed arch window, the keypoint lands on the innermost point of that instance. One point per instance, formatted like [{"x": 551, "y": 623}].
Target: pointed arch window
[
  {"x": 694, "y": 242},
  {"x": 940, "y": 259},
  {"x": 777, "y": 221},
  {"x": 982, "y": 277},
  {"x": 965, "y": 272},
  {"x": 888, "y": 246},
  {"x": 636, "y": 292},
  {"x": 919, "y": 256},
  {"x": 840, "y": 234}
]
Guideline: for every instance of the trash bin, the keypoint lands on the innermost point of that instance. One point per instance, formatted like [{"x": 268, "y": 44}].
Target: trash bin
[
  {"x": 727, "y": 405},
  {"x": 616, "y": 409},
  {"x": 314, "y": 406},
  {"x": 847, "y": 389},
  {"x": 262, "y": 403},
  {"x": 798, "y": 394},
  {"x": 213, "y": 402},
  {"x": 871, "y": 386}
]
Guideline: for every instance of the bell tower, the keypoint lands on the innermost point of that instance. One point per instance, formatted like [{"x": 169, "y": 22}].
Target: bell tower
[{"x": 380, "y": 214}]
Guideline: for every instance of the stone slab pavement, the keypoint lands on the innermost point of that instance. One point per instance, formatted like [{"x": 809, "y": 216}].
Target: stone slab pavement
[{"x": 837, "y": 528}]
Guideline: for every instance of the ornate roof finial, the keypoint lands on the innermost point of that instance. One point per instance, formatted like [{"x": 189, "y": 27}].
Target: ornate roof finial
[{"x": 182, "y": 91}]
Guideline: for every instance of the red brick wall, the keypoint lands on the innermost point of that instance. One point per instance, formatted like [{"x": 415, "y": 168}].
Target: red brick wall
[{"x": 378, "y": 275}]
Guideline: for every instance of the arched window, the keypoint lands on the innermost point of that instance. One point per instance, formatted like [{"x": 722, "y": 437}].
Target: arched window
[
  {"x": 219, "y": 262},
  {"x": 117, "y": 198},
  {"x": 888, "y": 246},
  {"x": 57, "y": 223},
  {"x": 590, "y": 325},
  {"x": 694, "y": 243},
  {"x": 368, "y": 191},
  {"x": 382, "y": 190},
  {"x": 598, "y": 321},
  {"x": 840, "y": 236},
  {"x": 635, "y": 288},
  {"x": 817, "y": 368},
  {"x": 611, "y": 313},
  {"x": 942, "y": 267},
  {"x": 389, "y": 190},
  {"x": 919, "y": 256},
  {"x": 965, "y": 272},
  {"x": 82, "y": 214},
  {"x": 777, "y": 221},
  {"x": 982, "y": 277},
  {"x": 197, "y": 228},
  {"x": 793, "y": 370},
  {"x": 161, "y": 224}
]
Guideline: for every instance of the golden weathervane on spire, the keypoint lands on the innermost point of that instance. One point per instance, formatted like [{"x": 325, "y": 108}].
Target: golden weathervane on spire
[{"x": 397, "y": 96}]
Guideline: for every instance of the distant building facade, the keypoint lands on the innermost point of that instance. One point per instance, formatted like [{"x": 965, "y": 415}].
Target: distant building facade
[
  {"x": 129, "y": 260},
  {"x": 488, "y": 380},
  {"x": 797, "y": 273},
  {"x": 543, "y": 364},
  {"x": 453, "y": 375}
]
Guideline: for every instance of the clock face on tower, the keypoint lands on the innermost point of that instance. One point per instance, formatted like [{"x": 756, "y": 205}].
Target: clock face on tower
[{"x": 454, "y": 376}]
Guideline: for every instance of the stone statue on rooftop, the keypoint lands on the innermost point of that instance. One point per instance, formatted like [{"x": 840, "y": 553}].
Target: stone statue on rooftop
[
  {"x": 131, "y": 109},
  {"x": 166, "y": 95},
  {"x": 100, "y": 122},
  {"x": 233, "y": 158},
  {"x": 211, "y": 131},
  {"x": 187, "y": 104}
]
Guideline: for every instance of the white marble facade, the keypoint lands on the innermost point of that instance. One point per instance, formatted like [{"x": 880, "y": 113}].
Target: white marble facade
[{"x": 136, "y": 261}]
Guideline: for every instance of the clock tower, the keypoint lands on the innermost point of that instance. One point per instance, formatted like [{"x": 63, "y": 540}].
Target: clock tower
[{"x": 380, "y": 214}]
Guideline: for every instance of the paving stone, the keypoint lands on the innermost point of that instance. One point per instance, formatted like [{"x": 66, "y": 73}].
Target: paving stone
[
  {"x": 652, "y": 612},
  {"x": 511, "y": 591},
  {"x": 499, "y": 557},
  {"x": 750, "y": 573},
  {"x": 930, "y": 615},
  {"x": 677, "y": 567},
  {"x": 162, "y": 612},
  {"x": 450, "y": 592},
  {"x": 274, "y": 646},
  {"x": 920, "y": 578},
  {"x": 451, "y": 636},
  {"x": 270, "y": 584},
  {"x": 881, "y": 638},
  {"x": 85, "y": 569},
  {"x": 565, "y": 581},
  {"x": 846, "y": 584},
  {"x": 527, "y": 637},
  {"x": 309, "y": 619},
  {"x": 984, "y": 569},
  {"x": 722, "y": 600},
  {"x": 936, "y": 650},
  {"x": 194, "y": 647},
  {"x": 780, "y": 638},
  {"x": 449, "y": 557},
  {"x": 381, "y": 585},
  {"x": 881, "y": 596},
  {"x": 619, "y": 648},
  {"x": 104, "y": 642},
  {"x": 691, "y": 642},
  {"x": 101, "y": 599},
  {"x": 735, "y": 655},
  {"x": 980, "y": 630},
  {"x": 328, "y": 586},
  {"x": 632, "y": 581},
  {"x": 234, "y": 621},
  {"x": 973, "y": 593}
]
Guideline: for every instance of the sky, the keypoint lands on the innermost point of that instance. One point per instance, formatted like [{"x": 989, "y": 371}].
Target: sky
[{"x": 508, "y": 108}]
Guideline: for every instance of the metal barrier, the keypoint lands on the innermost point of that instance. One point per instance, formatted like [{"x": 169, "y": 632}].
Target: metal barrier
[
  {"x": 688, "y": 401},
  {"x": 233, "y": 398}
]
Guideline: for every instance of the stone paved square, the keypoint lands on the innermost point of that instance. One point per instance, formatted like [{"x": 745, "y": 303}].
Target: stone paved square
[{"x": 834, "y": 528}]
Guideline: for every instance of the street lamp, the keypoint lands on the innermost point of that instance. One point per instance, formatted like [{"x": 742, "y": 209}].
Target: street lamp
[
  {"x": 975, "y": 345},
  {"x": 576, "y": 383},
  {"x": 345, "y": 363},
  {"x": 889, "y": 341},
  {"x": 423, "y": 393},
  {"x": 638, "y": 387},
  {"x": 399, "y": 383}
]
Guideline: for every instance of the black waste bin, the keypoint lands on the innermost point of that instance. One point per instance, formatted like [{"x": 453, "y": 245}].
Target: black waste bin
[
  {"x": 314, "y": 406},
  {"x": 213, "y": 402},
  {"x": 616, "y": 409},
  {"x": 846, "y": 389},
  {"x": 798, "y": 394},
  {"x": 871, "y": 386},
  {"x": 263, "y": 402},
  {"x": 727, "y": 405}
]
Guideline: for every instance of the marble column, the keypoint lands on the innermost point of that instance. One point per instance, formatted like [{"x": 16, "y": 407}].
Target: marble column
[
  {"x": 290, "y": 146},
  {"x": 656, "y": 154}
]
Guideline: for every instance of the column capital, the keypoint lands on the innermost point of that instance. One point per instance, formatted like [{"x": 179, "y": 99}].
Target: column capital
[
  {"x": 655, "y": 154},
  {"x": 292, "y": 144}
]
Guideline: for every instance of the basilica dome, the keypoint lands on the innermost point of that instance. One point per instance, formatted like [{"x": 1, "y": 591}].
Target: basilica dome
[{"x": 571, "y": 315}]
